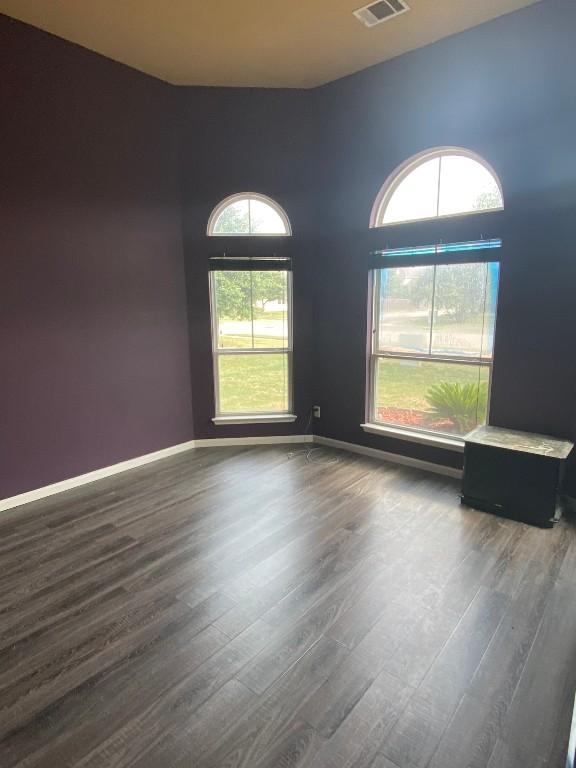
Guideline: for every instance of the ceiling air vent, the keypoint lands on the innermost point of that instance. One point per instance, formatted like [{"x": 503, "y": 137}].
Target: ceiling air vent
[{"x": 381, "y": 10}]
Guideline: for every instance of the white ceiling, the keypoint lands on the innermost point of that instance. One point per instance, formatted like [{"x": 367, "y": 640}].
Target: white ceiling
[{"x": 277, "y": 43}]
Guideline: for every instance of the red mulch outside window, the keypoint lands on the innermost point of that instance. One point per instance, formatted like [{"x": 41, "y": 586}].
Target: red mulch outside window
[{"x": 405, "y": 417}]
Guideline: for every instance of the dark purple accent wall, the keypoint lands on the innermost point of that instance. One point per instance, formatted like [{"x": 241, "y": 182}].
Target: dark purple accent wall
[
  {"x": 505, "y": 90},
  {"x": 93, "y": 327}
]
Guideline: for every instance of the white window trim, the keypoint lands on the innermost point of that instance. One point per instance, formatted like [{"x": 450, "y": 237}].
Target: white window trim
[
  {"x": 238, "y": 197},
  {"x": 437, "y": 439},
  {"x": 221, "y": 417},
  {"x": 404, "y": 169},
  {"x": 270, "y": 418},
  {"x": 412, "y": 436}
]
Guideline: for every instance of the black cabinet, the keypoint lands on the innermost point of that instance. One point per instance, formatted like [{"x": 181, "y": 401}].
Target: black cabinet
[{"x": 514, "y": 474}]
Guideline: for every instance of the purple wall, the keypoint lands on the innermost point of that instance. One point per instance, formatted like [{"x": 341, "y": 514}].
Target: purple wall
[{"x": 93, "y": 327}]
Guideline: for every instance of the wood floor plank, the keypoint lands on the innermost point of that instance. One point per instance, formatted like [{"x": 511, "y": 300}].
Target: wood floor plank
[
  {"x": 261, "y": 599},
  {"x": 544, "y": 690},
  {"x": 70, "y": 666},
  {"x": 416, "y": 737},
  {"x": 307, "y": 628},
  {"x": 334, "y": 700},
  {"x": 185, "y": 733},
  {"x": 252, "y": 736},
  {"x": 143, "y": 732},
  {"x": 358, "y": 739},
  {"x": 81, "y": 719},
  {"x": 272, "y": 736},
  {"x": 382, "y": 762},
  {"x": 426, "y": 634}
]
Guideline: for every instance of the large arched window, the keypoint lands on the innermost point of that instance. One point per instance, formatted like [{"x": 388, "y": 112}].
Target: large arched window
[
  {"x": 248, "y": 213},
  {"x": 443, "y": 182},
  {"x": 433, "y": 306}
]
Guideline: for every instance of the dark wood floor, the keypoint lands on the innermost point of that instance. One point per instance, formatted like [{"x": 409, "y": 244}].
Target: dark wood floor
[{"x": 240, "y": 607}]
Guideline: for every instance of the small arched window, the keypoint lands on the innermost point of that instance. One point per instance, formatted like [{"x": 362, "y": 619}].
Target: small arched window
[
  {"x": 248, "y": 213},
  {"x": 443, "y": 182}
]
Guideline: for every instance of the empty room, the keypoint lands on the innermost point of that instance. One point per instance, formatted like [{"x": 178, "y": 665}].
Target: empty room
[{"x": 288, "y": 384}]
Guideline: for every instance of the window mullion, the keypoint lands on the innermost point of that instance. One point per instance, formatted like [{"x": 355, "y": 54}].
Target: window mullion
[
  {"x": 376, "y": 311},
  {"x": 252, "y": 306},
  {"x": 432, "y": 310},
  {"x": 435, "y": 358},
  {"x": 439, "y": 187},
  {"x": 253, "y": 351}
]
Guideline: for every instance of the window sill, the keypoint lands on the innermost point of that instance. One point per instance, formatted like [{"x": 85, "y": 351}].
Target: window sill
[
  {"x": 412, "y": 436},
  {"x": 265, "y": 418}
]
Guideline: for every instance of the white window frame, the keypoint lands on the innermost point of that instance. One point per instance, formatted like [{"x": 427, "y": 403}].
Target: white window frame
[
  {"x": 405, "y": 169},
  {"x": 414, "y": 434},
  {"x": 240, "y": 197},
  {"x": 251, "y": 417}
]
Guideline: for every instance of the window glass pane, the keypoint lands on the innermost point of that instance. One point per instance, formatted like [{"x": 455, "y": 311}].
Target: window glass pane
[
  {"x": 233, "y": 298},
  {"x": 234, "y": 219},
  {"x": 253, "y": 383},
  {"x": 264, "y": 220},
  {"x": 465, "y": 186},
  {"x": 251, "y": 309},
  {"x": 464, "y": 310},
  {"x": 416, "y": 197},
  {"x": 450, "y": 398},
  {"x": 270, "y": 309},
  {"x": 405, "y": 309}
]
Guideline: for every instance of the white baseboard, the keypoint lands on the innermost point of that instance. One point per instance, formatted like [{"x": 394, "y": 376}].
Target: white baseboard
[
  {"x": 395, "y": 458},
  {"x": 91, "y": 477},
  {"x": 571, "y": 759},
  {"x": 220, "y": 442},
  {"x": 139, "y": 461}
]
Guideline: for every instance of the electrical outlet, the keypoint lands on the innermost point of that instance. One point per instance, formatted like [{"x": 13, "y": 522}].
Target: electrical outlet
[{"x": 316, "y": 411}]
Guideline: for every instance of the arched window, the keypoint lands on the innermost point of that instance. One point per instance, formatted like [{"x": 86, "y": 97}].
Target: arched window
[
  {"x": 248, "y": 213},
  {"x": 251, "y": 307},
  {"x": 443, "y": 182},
  {"x": 433, "y": 307}
]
